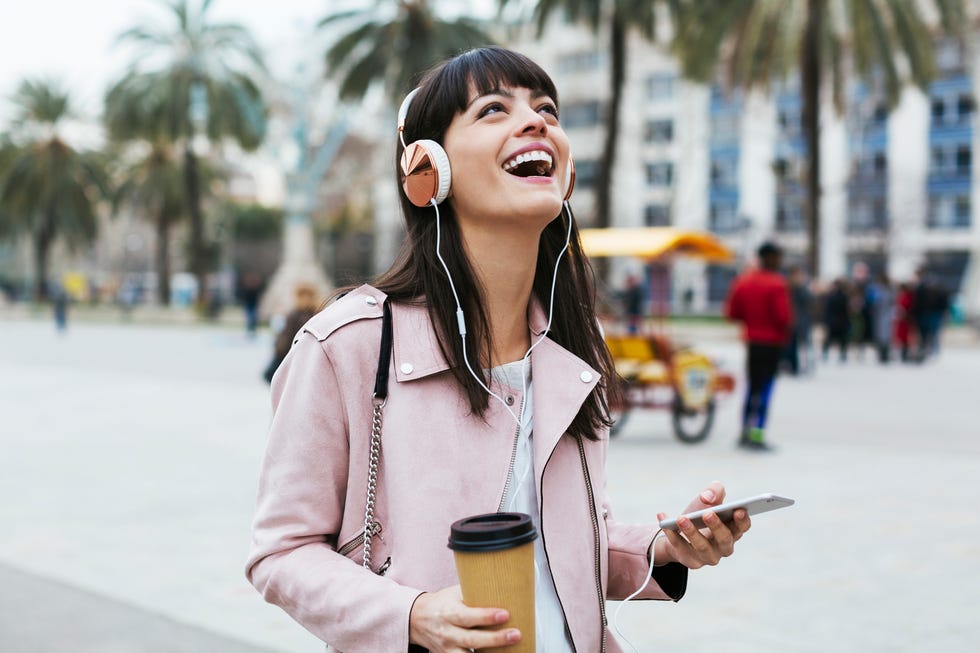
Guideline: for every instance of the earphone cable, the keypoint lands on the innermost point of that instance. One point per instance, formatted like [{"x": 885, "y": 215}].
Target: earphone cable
[{"x": 461, "y": 322}]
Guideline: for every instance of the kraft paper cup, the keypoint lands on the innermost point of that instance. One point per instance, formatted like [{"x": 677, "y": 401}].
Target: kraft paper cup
[{"x": 495, "y": 561}]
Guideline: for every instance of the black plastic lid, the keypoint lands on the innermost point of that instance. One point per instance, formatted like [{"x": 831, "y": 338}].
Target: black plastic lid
[{"x": 492, "y": 532}]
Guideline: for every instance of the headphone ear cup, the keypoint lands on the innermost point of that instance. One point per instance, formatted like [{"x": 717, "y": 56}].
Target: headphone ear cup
[
  {"x": 426, "y": 174},
  {"x": 569, "y": 178}
]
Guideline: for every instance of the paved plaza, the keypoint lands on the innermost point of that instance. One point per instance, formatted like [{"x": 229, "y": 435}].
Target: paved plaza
[{"x": 130, "y": 456}]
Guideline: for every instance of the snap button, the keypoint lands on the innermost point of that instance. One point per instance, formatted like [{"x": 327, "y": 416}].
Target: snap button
[
  {"x": 510, "y": 400},
  {"x": 407, "y": 368},
  {"x": 585, "y": 376},
  {"x": 370, "y": 301}
]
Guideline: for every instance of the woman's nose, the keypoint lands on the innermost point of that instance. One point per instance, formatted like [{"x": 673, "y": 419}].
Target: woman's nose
[{"x": 533, "y": 122}]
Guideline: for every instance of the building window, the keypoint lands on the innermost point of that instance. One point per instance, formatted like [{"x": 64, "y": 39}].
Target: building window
[
  {"x": 720, "y": 278},
  {"x": 586, "y": 173},
  {"x": 660, "y": 174},
  {"x": 964, "y": 156},
  {"x": 659, "y": 131},
  {"x": 789, "y": 214},
  {"x": 867, "y": 215},
  {"x": 580, "y": 114},
  {"x": 880, "y": 165},
  {"x": 964, "y": 108},
  {"x": 949, "y": 212},
  {"x": 656, "y": 215},
  {"x": 660, "y": 87},
  {"x": 723, "y": 218},
  {"x": 579, "y": 61},
  {"x": 938, "y": 110},
  {"x": 723, "y": 172}
]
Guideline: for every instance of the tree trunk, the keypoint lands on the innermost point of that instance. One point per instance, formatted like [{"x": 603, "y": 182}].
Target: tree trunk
[
  {"x": 192, "y": 187},
  {"x": 810, "y": 74},
  {"x": 163, "y": 259},
  {"x": 617, "y": 72},
  {"x": 42, "y": 245}
]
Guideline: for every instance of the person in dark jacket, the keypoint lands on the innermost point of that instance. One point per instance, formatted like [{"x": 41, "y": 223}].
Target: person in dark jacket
[
  {"x": 799, "y": 343},
  {"x": 837, "y": 319},
  {"x": 760, "y": 300}
]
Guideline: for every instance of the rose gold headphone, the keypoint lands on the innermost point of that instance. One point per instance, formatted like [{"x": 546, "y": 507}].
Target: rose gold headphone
[{"x": 426, "y": 174}]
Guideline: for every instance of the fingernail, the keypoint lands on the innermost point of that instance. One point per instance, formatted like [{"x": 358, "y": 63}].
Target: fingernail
[
  {"x": 513, "y": 636},
  {"x": 683, "y": 522},
  {"x": 500, "y": 616},
  {"x": 710, "y": 517},
  {"x": 708, "y": 496}
]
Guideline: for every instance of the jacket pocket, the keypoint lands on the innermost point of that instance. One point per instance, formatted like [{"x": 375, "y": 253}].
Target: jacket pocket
[{"x": 356, "y": 544}]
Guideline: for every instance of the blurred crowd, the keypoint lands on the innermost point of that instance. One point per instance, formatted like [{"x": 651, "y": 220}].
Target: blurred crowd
[{"x": 864, "y": 312}]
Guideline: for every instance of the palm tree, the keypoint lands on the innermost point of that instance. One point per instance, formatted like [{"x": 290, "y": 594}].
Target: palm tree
[
  {"x": 154, "y": 185},
  {"x": 48, "y": 189},
  {"x": 620, "y": 17},
  {"x": 204, "y": 86},
  {"x": 394, "y": 47},
  {"x": 758, "y": 41}
]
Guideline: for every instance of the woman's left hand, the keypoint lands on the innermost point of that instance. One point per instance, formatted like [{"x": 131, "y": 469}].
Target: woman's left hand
[{"x": 695, "y": 548}]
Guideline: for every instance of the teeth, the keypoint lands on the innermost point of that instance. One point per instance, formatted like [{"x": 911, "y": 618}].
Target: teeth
[{"x": 534, "y": 155}]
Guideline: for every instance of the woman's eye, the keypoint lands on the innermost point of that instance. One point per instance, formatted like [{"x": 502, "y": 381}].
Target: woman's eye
[
  {"x": 493, "y": 107},
  {"x": 549, "y": 108}
]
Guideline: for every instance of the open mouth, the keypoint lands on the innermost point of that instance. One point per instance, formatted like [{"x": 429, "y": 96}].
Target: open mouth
[{"x": 536, "y": 163}]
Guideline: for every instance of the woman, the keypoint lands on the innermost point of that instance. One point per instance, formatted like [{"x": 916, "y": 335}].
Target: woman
[{"x": 490, "y": 253}]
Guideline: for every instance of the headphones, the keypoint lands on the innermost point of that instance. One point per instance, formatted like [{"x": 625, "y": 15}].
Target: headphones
[{"x": 426, "y": 174}]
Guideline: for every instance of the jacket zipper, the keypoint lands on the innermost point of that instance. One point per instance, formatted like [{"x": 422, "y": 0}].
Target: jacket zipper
[
  {"x": 595, "y": 531},
  {"x": 359, "y": 539},
  {"x": 547, "y": 558},
  {"x": 513, "y": 458}
]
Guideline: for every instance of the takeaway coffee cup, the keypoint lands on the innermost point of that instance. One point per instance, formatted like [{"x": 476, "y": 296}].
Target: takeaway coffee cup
[{"x": 495, "y": 561}]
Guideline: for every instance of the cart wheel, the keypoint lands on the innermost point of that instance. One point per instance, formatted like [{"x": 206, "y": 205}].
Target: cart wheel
[
  {"x": 692, "y": 426},
  {"x": 619, "y": 417}
]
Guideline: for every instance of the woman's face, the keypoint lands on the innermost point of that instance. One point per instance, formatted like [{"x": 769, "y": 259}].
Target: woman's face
[{"x": 508, "y": 156}]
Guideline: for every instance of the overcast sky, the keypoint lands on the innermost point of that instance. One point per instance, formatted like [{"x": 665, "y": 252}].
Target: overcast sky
[{"x": 73, "y": 40}]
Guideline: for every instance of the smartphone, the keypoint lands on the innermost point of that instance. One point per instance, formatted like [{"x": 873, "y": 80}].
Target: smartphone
[{"x": 754, "y": 505}]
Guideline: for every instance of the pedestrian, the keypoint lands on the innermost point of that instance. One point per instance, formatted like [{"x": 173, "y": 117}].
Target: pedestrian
[
  {"x": 759, "y": 299},
  {"x": 633, "y": 303},
  {"x": 485, "y": 309},
  {"x": 837, "y": 319},
  {"x": 304, "y": 308},
  {"x": 59, "y": 302},
  {"x": 904, "y": 322},
  {"x": 882, "y": 316},
  {"x": 249, "y": 295},
  {"x": 800, "y": 335}
]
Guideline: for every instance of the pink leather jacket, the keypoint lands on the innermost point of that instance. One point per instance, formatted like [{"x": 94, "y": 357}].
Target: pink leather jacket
[{"x": 439, "y": 463}]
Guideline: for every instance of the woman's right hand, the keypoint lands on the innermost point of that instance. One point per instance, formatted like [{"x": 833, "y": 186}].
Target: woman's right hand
[{"x": 442, "y": 623}]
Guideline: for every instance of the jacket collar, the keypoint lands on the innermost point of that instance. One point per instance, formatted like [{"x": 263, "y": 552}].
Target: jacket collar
[{"x": 417, "y": 353}]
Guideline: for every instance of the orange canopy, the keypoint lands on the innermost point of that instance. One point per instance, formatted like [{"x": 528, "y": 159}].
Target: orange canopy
[{"x": 650, "y": 243}]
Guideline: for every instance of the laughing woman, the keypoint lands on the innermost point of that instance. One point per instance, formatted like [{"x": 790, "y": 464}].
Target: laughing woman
[{"x": 496, "y": 401}]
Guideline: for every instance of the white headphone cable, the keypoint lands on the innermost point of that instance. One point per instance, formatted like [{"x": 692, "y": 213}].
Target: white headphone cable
[
  {"x": 461, "y": 322},
  {"x": 615, "y": 621}
]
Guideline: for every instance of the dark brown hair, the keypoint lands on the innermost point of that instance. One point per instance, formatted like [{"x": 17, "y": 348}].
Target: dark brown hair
[{"x": 417, "y": 276}]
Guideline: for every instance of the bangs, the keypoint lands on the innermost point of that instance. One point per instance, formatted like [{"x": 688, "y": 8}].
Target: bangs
[
  {"x": 489, "y": 69},
  {"x": 446, "y": 90}
]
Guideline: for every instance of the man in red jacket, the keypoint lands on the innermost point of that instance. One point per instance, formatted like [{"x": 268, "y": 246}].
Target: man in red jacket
[{"x": 759, "y": 299}]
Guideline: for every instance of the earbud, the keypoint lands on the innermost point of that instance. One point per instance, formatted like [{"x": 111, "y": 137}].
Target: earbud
[{"x": 426, "y": 175}]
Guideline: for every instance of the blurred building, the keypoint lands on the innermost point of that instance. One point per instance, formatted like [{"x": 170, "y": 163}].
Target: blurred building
[{"x": 899, "y": 189}]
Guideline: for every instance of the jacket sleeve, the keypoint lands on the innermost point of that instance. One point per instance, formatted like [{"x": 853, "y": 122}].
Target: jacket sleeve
[
  {"x": 302, "y": 492},
  {"x": 629, "y": 564}
]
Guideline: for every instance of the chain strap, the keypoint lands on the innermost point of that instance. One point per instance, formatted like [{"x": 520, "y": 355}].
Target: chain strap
[{"x": 372, "y": 486}]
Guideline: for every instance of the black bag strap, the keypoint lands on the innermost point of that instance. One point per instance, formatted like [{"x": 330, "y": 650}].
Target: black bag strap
[{"x": 384, "y": 357}]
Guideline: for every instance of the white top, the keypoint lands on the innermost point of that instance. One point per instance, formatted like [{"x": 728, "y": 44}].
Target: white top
[{"x": 522, "y": 496}]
